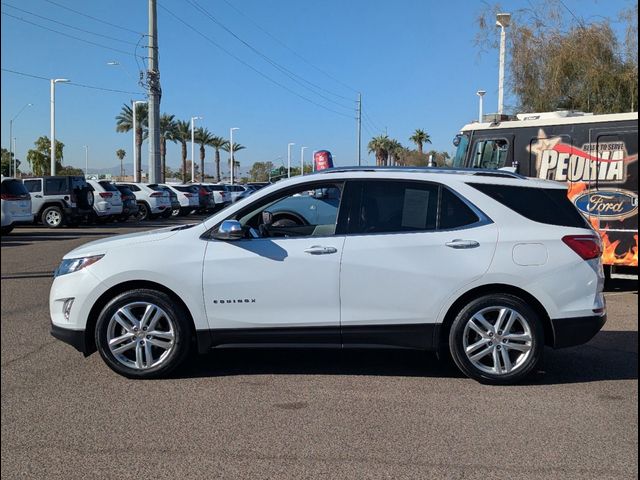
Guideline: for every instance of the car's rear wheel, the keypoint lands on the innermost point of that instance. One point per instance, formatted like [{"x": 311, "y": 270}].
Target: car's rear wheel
[
  {"x": 497, "y": 339},
  {"x": 143, "y": 333},
  {"x": 52, "y": 217},
  {"x": 143, "y": 211}
]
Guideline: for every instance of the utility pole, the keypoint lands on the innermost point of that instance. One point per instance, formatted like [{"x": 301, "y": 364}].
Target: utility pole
[
  {"x": 153, "y": 77},
  {"x": 302, "y": 149},
  {"x": 86, "y": 160},
  {"x": 359, "y": 129},
  {"x": 502, "y": 21}
]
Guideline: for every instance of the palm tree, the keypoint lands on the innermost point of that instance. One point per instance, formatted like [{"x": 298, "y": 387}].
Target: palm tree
[
  {"x": 218, "y": 143},
  {"x": 236, "y": 148},
  {"x": 203, "y": 136},
  {"x": 167, "y": 132},
  {"x": 380, "y": 146},
  {"x": 395, "y": 150},
  {"x": 182, "y": 135},
  {"x": 420, "y": 137},
  {"x": 124, "y": 123},
  {"x": 120, "y": 153}
]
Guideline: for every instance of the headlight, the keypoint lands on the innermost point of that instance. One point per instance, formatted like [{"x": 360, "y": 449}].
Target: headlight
[{"x": 74, "y": 264}]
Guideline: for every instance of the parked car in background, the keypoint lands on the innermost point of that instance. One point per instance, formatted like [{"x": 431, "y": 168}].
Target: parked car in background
[
  {"x": 129, "y": 204},
  {"x": 472, "y": 264},
  {"x": 152, "y": 200},
  {"x": 107, "y": 200},
  {"x": 16, "y": 204},
  {"x": 235, "y": 191},
  {"x": 175, "y": 203},
  {"x": 221, "y": 198},
  {"x": 187, "y": 196},
  {"x": 257, "y": 185},
  {"x": 207, "y": 202},
  {"x": 59, "y": 200}
]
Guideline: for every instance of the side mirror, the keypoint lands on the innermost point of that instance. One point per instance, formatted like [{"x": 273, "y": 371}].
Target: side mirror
[{"x": 229, "y": 230}]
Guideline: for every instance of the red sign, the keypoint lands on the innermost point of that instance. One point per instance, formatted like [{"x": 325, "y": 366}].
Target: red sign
[{"x": 322, "y": 160}]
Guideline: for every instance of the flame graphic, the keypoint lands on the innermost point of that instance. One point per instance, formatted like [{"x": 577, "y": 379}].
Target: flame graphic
[{"x": 609, "y": 255}]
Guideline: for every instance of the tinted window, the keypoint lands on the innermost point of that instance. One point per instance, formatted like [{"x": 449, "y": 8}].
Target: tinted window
[
  {"x": 155, "y": 187},
  {"x": 33, "y": 185},
  {"x": 544, "y": 205},
  {"x": 186, "y": 189},
  {"x": 216, "y": 188},
  {"x": 396, "y": 207},
  {"x": 108, "y": 186},
  {"x": 14, "y": 187},
  {"x": 454, "y": 213},
  {"x": 55, "y": 186}
]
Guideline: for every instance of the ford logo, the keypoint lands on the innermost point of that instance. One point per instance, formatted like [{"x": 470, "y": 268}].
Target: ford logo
[{"x": 609, "y": 204}]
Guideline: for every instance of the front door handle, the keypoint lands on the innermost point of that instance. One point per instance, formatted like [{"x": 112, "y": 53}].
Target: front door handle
[
  {"x": 320, "y": 250},
  {"x": 460, "y": 244},
  {"x": 38, "y": 196}
]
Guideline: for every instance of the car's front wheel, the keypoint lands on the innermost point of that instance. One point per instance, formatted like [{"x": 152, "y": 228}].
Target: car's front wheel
[
  {"x": 497, "y": 339},
  {"x": 52, "y": 217},
  {"x": 143, "y": 334}
]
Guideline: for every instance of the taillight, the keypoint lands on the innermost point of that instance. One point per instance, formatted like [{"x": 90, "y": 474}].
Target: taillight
[
  {"x": 9, "y": 196},
  {"x": 587, "y": 247},
  {"x": 106, "y": 194}
]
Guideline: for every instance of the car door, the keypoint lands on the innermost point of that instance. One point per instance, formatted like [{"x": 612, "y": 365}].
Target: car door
[
  {"x": 410, "y": 246},
  {"x": 34, "y": 187},
  {"x": 281, "y": 285}
]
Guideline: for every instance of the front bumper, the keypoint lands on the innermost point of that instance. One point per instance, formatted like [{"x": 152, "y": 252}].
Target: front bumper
[
  {"x": 568, "y": 332},
  {"x": 75, "y": 338}
]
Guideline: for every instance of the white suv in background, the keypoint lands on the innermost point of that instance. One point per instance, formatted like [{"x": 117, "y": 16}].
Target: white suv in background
[
  {"x": 187, "y": 196},
  {"x": 152, "y": 200},
  {"x": 107, "y": 199},
  {"x": 486, "y": 266},
  {"x": 16, "y": 204}
]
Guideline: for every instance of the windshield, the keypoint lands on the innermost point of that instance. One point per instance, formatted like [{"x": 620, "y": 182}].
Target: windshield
[{"x": 461, "y": 141}]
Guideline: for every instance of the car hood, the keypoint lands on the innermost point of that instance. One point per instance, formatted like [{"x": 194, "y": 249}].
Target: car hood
[{"x": 99, "y": 247}]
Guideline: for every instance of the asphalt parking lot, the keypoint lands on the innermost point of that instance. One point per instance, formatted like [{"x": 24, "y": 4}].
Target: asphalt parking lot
[{"x": 297, "y": 414}]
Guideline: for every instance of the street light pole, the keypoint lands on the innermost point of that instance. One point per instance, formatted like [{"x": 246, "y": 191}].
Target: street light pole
[
  {"x": 52, "y": 147},
  {"x": 302, "y": 160},
  {"x": 86, "y": 160},
  {"x": 136, "y": 158},
  {"x": 193, "y": 147},
  {"x": 289, "y": 159},
  {"x": 12, "y": 163},
  {"x": 502, "y": 21},
  {"x": 480, "y": 94},
  {"x": 232, "y": 161}
]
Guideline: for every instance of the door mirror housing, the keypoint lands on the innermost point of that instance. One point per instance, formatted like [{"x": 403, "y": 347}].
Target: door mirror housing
[{"x": 229, "y": 230}]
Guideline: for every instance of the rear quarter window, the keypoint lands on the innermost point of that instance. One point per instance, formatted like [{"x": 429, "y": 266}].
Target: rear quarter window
[
  {"x": 33, "y": 185},
  {"x": 544, "y": 205},
  {"x": 108, "y": 186},
  {"x": 55, "y": 186}
]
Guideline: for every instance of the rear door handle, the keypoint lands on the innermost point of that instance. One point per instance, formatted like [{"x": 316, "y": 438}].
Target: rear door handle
[
  {"x": 38, "y": 196},
  {"x": 320, "y": 250},
  {"x": 460, "y": 244}
]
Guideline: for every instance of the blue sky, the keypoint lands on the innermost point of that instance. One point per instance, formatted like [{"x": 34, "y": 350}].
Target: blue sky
[{"x": 413, "y": 60}]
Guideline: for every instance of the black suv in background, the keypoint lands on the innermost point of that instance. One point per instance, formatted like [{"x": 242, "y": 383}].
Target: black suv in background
[{"x": 59, "y": 200}]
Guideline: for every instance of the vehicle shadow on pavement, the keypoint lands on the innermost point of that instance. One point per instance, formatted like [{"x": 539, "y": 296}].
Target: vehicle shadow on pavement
[
  {"x": 621, "y": 285},
  {"x": 611, "y": 355}
]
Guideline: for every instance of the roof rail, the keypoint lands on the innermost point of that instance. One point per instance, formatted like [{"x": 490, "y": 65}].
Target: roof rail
[{"x": 487, "y": 172}]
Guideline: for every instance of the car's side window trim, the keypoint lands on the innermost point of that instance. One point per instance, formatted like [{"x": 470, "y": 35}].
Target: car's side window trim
[{"x": 208, "y": 235}]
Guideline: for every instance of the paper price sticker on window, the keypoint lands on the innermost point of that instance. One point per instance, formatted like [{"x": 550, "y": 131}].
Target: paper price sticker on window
[{"x": 414, "y": 210}]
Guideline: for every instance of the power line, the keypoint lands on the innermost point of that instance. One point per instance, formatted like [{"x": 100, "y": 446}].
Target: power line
[
  {"x": 113, "y": 90},
  {"x": 302, "y": 81},
  {"x": 371, "y": 123},
  {"x": 67, "y": 25},
  {"x": 67, "y": 35},
  {"x": 289, "y": 48},
  {"x": 264, "y": 75},
  {"x": 94, "y": 18},
  {"x": 580, "y": 22}
]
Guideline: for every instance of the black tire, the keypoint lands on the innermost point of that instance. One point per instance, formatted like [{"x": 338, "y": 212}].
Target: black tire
[
  {"x": 143, "y": 211},
  {"x": 166, "y": 214},
  {"x": 527, "y": 362},
  {"x": 6, "y": 230},
  {"x": 52, "y": 217},
  {"x": 182, "y": 327}
]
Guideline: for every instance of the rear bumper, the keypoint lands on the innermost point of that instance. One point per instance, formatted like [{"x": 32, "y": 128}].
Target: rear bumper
[
  {"x": 75, "y": 338},
  {"x": 568, "y": 332}
]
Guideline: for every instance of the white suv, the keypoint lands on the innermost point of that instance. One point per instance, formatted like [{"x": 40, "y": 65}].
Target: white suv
[
  {"x": 16, "y": 204},
  {"x": 488, "y": 266},
  {"x": 152, "y": 200},
  {"x": 107, "y": 199},
  {"x": 187, "y": 196}
]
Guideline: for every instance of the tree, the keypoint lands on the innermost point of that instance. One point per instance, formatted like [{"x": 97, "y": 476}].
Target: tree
[
  {"x": 120, "y": 153},
  {"x": 236, "y": 148},
  {"x": 182, "y": 135},
  {"x": 124, "y": 123},
  {"x": 69, "y": 171},
  {"x": 7, "y": 167},
  {"x": 40, "y": 157},
  {"x": 260, "y": 171},
  {"x": 561, "y": 62},
  {"x": 167, "y": 133},
  {"x": 380, "y": 147},
  {"x": 203, "y": 136},
  {"x": 395, "y": 150},
  {"x": 420, "y": 137},
  {"x": 218, "y": 143}
]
